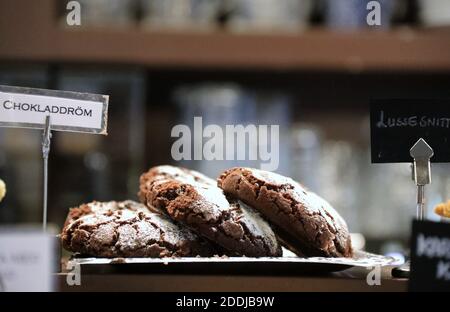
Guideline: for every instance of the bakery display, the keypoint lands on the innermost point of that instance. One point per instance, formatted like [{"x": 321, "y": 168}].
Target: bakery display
[
  {"x": 305, "y": 222},
  {"x": 183, "y": 213},
  {"x": 128, "y": 229},
  {"x": 194, "y": 200}
]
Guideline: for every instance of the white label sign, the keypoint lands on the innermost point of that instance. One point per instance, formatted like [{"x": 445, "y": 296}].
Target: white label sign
[
  {"x": 69, "y": 111},
  {"x": 27, "y": 261}
]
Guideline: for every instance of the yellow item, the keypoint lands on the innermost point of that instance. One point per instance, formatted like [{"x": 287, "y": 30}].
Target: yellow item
[
  {"x": 443, "y": 209},
  {"x": 2, "y": 189}
]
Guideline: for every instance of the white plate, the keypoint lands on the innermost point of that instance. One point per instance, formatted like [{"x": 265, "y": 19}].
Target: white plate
[{"x": 230, "y": 265}]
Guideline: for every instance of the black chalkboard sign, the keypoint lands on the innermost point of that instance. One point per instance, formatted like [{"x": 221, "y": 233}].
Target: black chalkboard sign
[
  {"x": 396, "y": 124},
  {"x": 430, "y": 256}
]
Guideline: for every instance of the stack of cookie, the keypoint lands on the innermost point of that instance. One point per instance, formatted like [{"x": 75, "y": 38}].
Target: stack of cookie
[{"x": 247, "y": 212}]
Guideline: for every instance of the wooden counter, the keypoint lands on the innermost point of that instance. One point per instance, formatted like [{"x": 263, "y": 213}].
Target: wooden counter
[{"x": 349, "y": 280}]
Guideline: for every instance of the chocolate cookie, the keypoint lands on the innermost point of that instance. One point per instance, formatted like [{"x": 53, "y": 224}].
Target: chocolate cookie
[
  {"x": 128, "y": 229},
  {"x": 194, "y": 200},
  {"x": 303, "y": 220},
  {"x": 166, "y": 172}
]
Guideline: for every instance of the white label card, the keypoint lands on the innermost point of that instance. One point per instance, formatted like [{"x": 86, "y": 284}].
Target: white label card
[
  {"x": 68, "y": 111},
  {"x": 27, "y": 260}
]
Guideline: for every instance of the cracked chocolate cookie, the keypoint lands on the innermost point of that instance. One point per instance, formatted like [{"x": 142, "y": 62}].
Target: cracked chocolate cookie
[
  {"x": 305, "y": 222},
  {"x": 128, "y": 229},
  {"x": 195, "y": 200},
  {"x": 166, "y": 172}
]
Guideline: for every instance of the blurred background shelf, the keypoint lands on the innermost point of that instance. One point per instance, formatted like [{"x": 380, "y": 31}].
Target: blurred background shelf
[{"x": 317, "y": 48}]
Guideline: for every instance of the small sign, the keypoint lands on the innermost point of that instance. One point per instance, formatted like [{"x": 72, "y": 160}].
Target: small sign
[
  {"x": 430, "y": 256},
  {"x": 396, "y": 125},
  {"x": 27, "y": 260},
  {"x": 69, "y": 111}
]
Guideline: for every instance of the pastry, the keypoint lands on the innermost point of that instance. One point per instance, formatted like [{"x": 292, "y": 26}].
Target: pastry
[
  {"x": 128, "y": 229},
  {"x": 443, "y": 209},
  {"x": 305, "y": 222},
  {"x": 194, "y": 200},
  {"x": 2, "y": 190}
]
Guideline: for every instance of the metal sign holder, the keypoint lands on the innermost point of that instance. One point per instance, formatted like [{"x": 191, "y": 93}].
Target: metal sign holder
[
  {"x": 72, "y": 111},
  {"x": 46, "y": 137},
  {"x": 421, "y": 152}
]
